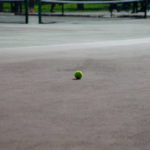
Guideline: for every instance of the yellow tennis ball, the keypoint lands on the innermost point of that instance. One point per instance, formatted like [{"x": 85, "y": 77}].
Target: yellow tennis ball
[{"x": 78, "y": 75}]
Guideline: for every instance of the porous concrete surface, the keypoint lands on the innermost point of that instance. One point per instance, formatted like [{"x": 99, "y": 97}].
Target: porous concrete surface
[{"x": 42, "y": 107}]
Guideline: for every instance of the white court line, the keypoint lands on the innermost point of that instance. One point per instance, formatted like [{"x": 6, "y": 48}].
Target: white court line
[
  {"x": 78, "y": 50},
  {"x": 69, "y": 46},
  {"x": 107, "y": 43}
]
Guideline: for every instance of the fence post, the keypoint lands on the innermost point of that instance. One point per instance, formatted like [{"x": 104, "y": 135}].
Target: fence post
[
  {"x": 62, "y": 9},
  {"x": 39, "y": 11},
  {"x": 26, "y": 12},
  {"x": 145, "y": 11}
]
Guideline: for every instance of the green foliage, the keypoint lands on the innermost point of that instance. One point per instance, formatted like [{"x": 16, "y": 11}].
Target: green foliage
[
  {"x": 7, "y": 7},
  {"x": 73, "y": 7}
]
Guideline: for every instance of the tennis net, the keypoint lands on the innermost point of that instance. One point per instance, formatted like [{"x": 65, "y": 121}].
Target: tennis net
[{"x": 95, "y": 8}]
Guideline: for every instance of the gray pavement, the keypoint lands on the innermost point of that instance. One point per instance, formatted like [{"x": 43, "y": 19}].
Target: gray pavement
[{"x": 42, "y": 107}]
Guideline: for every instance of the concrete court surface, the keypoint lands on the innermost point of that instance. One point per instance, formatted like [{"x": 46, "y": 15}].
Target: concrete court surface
[{"x": 42, "y": 107}]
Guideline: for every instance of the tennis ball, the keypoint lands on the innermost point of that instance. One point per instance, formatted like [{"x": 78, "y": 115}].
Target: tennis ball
[{"x": 78, "y": 75}]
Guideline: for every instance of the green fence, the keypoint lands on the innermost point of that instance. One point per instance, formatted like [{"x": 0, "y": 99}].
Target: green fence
[{"x": 14, "y": 11}]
